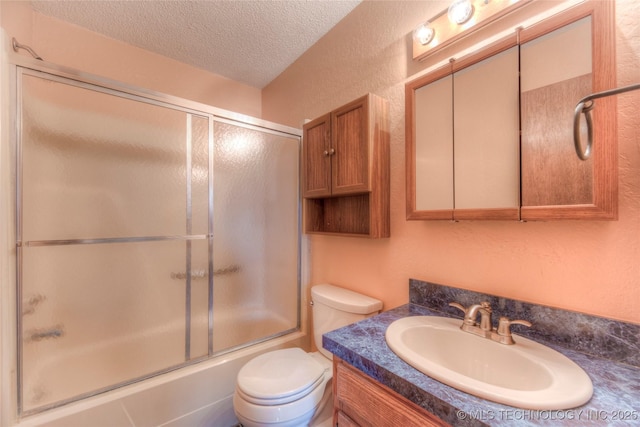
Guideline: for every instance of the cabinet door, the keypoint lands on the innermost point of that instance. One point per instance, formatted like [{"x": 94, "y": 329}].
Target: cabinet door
[
  {"x": 563, "y": 60},
  {"x": 463, "y": 138},
  {"x": 486, "y": 129},
  {"x": 317, "y": 159},
  {"x": 361, "y": 401},
  {"x": 429, "y": 122},
  {"x": 350, "y": 151},
  {"x": 434, "y": 147}
]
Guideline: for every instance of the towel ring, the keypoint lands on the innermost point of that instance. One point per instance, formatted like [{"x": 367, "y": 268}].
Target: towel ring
[{"x": 585, "y": 105}]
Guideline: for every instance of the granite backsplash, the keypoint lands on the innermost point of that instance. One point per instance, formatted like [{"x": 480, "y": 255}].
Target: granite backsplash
[{"x": 610, "y": 339}]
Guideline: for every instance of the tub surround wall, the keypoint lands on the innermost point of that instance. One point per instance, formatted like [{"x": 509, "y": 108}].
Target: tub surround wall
[{"x": 605, "y": 349}]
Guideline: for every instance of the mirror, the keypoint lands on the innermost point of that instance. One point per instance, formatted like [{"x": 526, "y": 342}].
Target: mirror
[
  {"x": 464, "y": 138},
  {"x": 486, "y": 136},
  {"x": 434, "y": 151},
  {"x": 563, "y": 59}
]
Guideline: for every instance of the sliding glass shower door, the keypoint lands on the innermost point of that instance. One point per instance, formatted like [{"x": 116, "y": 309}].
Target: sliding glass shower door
[{"x": 149, "y": 235}]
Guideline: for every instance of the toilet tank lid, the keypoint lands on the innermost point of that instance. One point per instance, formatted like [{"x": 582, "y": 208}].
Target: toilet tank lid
[{"x": 344, "y": 299}]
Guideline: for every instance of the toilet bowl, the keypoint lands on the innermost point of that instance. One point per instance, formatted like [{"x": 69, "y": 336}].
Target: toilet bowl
[{"x": 290, "y": 387}]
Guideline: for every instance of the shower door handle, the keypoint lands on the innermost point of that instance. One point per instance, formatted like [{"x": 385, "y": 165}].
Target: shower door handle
[
  {"x": 202, "y": 274},
  {"x": 195, "y": 274}
]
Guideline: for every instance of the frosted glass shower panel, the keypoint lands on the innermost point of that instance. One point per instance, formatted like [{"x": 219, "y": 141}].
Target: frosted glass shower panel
[
  {"x": 255, "y": 243},
  {"x": 97, "y": 165},
  {"x": 108, "y": 313},
  {"x": 199, "y": 299},
  {"x": 200, "y": 136}
]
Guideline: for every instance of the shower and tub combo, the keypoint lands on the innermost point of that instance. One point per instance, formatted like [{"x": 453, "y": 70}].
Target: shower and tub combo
[{"x": 157, "y": 244}]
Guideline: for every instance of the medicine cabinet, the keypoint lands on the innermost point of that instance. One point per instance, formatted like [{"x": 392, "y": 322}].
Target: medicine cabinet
[{"x": 490, "y": 135}]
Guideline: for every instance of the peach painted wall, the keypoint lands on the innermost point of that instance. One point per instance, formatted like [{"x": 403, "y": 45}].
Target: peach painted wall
[
  {"x": 71, "y": 46},
  {"x": 586, "y": 266}
]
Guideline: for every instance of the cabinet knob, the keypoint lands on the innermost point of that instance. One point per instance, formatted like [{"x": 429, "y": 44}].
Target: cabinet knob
[
  {"x": 326, "y": 153},
  {"x": 332, "y": 152}
]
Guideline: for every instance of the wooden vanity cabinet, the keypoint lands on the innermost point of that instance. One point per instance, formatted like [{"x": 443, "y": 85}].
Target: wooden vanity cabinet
[
  {"x": 346, "y": 170},
  {"x": 361, "y": 401}
]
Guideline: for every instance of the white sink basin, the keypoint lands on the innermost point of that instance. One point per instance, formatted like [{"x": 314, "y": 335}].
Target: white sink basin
[{"x": 527, "y": 374}]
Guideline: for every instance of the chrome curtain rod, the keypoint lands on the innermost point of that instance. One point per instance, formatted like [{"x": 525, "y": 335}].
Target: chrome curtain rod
[
  {"x": 17, "y": 46},
  {"x": 585, "y": 105}
]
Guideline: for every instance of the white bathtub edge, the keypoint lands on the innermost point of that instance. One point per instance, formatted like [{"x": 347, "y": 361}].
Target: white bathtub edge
[{"x": 72, "y": 414}]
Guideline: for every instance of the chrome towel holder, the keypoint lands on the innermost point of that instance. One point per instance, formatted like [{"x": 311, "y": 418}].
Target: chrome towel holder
[{"x": 585, "y": 105}]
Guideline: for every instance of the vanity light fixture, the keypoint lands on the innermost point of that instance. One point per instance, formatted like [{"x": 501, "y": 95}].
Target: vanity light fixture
[{"x": 460, "y": 19}]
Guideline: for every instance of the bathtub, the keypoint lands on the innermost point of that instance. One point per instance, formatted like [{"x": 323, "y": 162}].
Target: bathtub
[{"x": 199, "y": 394}]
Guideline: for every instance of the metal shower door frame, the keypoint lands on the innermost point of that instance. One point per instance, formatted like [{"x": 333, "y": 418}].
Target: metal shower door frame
[{"x": 25, "y": 66}]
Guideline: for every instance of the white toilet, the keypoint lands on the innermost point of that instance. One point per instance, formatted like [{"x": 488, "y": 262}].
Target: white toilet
[{"x": 292, "y": 388}]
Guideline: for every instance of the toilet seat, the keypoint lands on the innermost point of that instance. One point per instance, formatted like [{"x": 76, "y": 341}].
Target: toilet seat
[
  {"x": 283, "y": 387},
  {"x": 279, "y": 377}
]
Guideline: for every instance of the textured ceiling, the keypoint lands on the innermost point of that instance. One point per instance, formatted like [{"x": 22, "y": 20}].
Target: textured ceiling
[{"x": 245, "y": 40}]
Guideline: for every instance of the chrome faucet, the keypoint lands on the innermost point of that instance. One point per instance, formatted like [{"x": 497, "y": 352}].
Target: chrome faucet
[{"x": 485, "y": 328}]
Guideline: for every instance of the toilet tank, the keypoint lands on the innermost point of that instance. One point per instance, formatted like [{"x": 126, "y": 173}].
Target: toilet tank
[{"x": 334, "y": 307}]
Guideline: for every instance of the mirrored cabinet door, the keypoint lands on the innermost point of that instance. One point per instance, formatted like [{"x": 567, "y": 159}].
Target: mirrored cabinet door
[
  {"x": 434, "y": 149},
  {"x": 555, "y": 67},
  {"x": 564, "y": 59},
  {"x": 463, "y": 138},
  {"x": 486, "y": 137}
]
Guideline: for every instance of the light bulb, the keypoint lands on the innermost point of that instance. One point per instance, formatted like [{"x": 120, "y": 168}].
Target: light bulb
[
  {"x": 460, "y": 11},
  {"x": 424, "y": 33}
]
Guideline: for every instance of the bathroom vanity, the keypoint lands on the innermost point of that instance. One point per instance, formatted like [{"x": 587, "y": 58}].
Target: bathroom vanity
[
  {"x": 373, "y": 386},
  {"x": 358, "y": 399}
]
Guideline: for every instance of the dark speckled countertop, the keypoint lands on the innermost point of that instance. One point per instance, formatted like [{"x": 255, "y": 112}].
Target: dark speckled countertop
[{"x": 607, "y": 350}]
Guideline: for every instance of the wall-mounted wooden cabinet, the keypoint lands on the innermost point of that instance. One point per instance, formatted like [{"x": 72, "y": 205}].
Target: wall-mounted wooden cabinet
[
  {"x": 346, "y": 170},
  {"x": 490, "y": 136}
]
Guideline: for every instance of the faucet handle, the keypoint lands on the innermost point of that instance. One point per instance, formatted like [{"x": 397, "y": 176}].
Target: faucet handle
[{"x": 503, "y": 334}]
